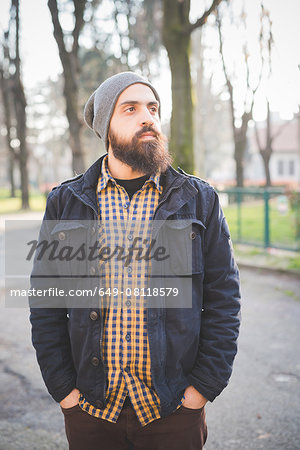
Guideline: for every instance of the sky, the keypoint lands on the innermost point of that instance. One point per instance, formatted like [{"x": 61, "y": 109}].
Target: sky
[{"x": 40, "y": 56}]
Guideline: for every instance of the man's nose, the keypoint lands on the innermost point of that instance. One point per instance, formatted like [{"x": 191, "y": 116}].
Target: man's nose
[{"x": 146, "y": 118}]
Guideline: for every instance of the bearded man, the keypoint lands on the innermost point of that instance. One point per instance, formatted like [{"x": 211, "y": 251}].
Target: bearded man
[{"x": 133, "y": 377}]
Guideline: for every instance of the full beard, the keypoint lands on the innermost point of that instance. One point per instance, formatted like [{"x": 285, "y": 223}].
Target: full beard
[{"x": 149, "y": 157}]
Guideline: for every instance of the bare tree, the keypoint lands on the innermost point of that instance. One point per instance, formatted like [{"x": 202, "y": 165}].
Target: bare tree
[
  {"x": 177, "y": 30},
  {"x": 266, "y": 148},
  {"x": 5, "y": 86},
  {"x": 239, "y": 121},
  {"x": 71, "y": 69},
  {"x": 19, "y": 102}
]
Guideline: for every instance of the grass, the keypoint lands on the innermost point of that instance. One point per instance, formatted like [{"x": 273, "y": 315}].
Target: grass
[
  {"x": 270, "y": 258},
  {"x": 282, "y": 227},
  {"x": 294, "y": 263},
  {"x": 289, "y": 293},
  {"x": 10, "y": 205}
]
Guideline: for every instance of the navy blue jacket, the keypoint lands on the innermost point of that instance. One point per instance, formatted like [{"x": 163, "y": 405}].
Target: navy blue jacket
[{"x": 188, "y": 346}]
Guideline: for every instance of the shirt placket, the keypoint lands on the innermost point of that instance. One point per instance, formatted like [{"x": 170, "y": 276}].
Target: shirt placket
[
  {"x": 133, "y": 335},
  {"x": 127, "y": 299},
  {"x": 126, "y": 313}
]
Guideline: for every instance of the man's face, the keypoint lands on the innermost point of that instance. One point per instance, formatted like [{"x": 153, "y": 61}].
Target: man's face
[{"x": 135, "y": 136}]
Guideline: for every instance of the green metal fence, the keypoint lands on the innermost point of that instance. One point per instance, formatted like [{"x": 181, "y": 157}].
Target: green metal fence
[{"x": 263, "y": 217}]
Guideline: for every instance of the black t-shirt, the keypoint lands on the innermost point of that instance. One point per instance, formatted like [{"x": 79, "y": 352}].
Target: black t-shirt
[{"x": 133, "y": 185}]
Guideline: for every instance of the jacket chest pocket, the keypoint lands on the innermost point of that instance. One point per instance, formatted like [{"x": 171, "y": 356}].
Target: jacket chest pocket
[
  {"x": 71, "y": 242},
  {"x": 184, "y": 238}
]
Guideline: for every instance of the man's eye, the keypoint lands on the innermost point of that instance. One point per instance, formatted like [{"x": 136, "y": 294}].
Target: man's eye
[
  {"x": 130, "y": 109},
  {"x": 153, "y": 109}
]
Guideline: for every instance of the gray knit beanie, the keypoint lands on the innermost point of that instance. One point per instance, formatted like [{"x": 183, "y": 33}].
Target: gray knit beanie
[{"x": 100, "y": 106}]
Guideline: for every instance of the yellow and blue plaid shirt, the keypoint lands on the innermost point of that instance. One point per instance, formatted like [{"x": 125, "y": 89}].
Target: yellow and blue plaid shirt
[{"x": 125, "y": 346}]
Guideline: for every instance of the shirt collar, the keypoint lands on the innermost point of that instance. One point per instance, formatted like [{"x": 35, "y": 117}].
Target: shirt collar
[{"x": 105, "y": 177}]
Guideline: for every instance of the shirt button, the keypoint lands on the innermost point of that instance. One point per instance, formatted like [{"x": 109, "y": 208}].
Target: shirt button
[
  {"x": 127, "y": 369},
  {"x": 125, "y": 205},
  {"x": 61, "y": 236},
  {"x": 99, "y": 404},
  {"x": 128, "y": 303},
  {"x": 192, "y": 235},
  {"x": 129, "y": 269},
  {"x": 93, "y": 315},
  {"x": 92, "y": 270},
  {"x": 127, "y": 337},
  {"x": 95, "y": 361},
  {"x": 129, "y": 237}
]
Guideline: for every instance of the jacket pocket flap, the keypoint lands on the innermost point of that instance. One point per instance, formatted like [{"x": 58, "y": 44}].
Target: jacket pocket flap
[
  {"x": 180, "y": 224},
  {"x": 66, "y": 226}
]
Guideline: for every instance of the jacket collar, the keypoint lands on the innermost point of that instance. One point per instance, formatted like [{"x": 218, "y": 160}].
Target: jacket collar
[
  {"x": 106, "y": 176},
  {"x": 85, "y": 188},
  {"x": 182, "y": 188}
]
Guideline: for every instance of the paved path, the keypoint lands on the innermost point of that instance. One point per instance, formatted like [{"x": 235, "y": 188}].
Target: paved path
[{"x": 260, "y": 409}]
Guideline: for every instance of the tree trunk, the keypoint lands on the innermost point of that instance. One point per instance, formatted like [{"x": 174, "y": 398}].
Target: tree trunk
[
  {"x": 20, "y": 105},
  {"x": 177, "y": 43},
  {"x": 177, "y": 31},
  {"x": 11, "y": 175},
  {"x": 266, "y": 149},
  {"x": 266, "y": 156},
  {"x": 20, "y": 108},
  {"x": 69, "y": 60},
  {"x": 181, "y": 142},
  {"x": 239, "y": 151},
  {"x": 240, "y": 144},
  {"x": 199, "y": 145},
  {"x": 75, "y": 126},
  {"x": 7, "y": 121}
]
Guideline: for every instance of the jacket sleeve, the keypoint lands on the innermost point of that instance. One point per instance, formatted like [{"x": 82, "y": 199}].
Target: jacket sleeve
[
  {"x": 50, "y": 335},
  {"x": 220, "y": 318}
]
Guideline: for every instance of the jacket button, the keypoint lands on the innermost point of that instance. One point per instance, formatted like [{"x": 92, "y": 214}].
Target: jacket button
[
  {"x": 192, "y": 235},
  {"x": 92, "y": 270},
  {"x": 61, "y": 236},
  {"x": 93, "y": 315},
  {"x": 95, "y": 361},
  {"x": 99, "y": 404}
]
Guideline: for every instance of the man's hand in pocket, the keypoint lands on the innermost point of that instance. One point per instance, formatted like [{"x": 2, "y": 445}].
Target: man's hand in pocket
[
  {"x": 193, "y": 398},
  {"x": 70, "y": 400}
]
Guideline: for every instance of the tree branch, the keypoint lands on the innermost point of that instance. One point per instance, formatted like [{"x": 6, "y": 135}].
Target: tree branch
[
  {"x": 7, "y": 116},
  {"x": 79, "y": 7},
  {"x": 246, "y": 56},
  {"x": 202, "y": 20},
  {"x": 228, "y": 82},
  {"x": 58, "y": 32},
  {"x": 257, "y": 138}
]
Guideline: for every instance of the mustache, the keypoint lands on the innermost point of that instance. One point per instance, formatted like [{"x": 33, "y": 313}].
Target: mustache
[{"x": 147, "y": 129}]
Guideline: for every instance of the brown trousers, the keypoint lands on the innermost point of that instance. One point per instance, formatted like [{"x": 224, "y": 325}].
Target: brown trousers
[{"x": 185, "y": 429}]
